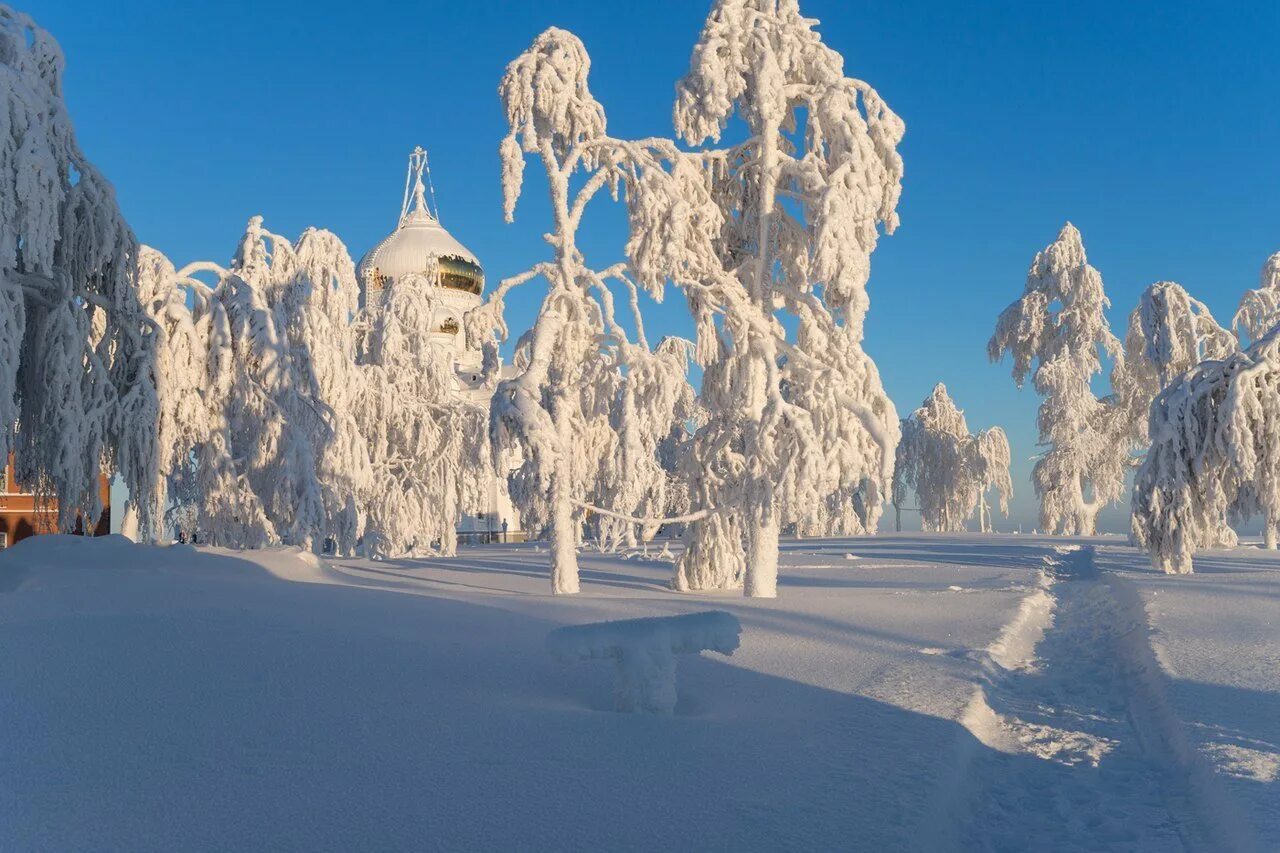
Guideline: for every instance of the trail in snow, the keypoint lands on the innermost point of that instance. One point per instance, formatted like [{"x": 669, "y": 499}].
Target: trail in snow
[{"x": 1083, "y": 751}]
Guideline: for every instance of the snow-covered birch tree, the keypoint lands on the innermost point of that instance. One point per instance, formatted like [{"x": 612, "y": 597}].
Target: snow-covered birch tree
[
  {"x": 290, "y": 410},
  {"x": 797, "y": 206},
  {"x": 949, "y": 469},
  {"x": 653, "y": 399},
  {"x": 268, "y": 425},
  {"x": 579, "y": 384},
  {"x": 76, "y": 362},
  {"x": 1259, "y": 310},
  {"x": 257, "y": 439},
  {"x": 1058, "y": 334},
  {"x": 202, "y": 485},
  {"x": 427, "y": 444},
  {"x": 317, "y": 304},
  {"x": 1169, "y": 333},
  {"x": 191, "y": 384},
  {"x": 991, "y": 458},
  {"x": 1214, "y": 457},
  {"x": 934, "y": 463}
]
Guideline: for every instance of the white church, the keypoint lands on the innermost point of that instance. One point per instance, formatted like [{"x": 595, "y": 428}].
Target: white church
[{"x": 417, "y": 241}]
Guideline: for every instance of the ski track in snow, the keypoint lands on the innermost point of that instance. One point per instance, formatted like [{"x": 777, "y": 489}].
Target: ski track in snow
[{"x": 1084, "y": 750}]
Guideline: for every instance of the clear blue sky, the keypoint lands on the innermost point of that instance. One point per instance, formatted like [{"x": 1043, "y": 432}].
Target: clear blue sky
[{"x": 1153, "y": 126}]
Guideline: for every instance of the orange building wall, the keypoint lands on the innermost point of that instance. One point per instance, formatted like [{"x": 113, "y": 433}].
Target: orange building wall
[{"x": 21, "y": 516}]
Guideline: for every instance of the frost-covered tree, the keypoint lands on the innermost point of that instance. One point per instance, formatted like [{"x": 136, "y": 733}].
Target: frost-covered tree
[
  {"x": 270, "y": 430},
  {"x": 934, "y": 463},
  {"x": 949, "y": 469},
  {"x": 200, "y": 479},
  {"x": 191, "y": 385},
  {"x": 583, "y": 399},
  {"x": 784, "y": 221},
  {"x": 652, "y": 401},
  {"x": 291, "y": 409},
  {"x": 427, "y": 444},
  {"x": 1259, "y": 310},
  {"x": 1214, "y": 457},
  {"x": 991, "y": 460},
  {"x": 1057, "y": 333},
  {"x": 257, "y": 438},
  {"x": 795, "y": 426},
  {"x": 317, "y": 304},
  {"x": 76, "y": 360},
  {"x": 1169, "y": 333}
]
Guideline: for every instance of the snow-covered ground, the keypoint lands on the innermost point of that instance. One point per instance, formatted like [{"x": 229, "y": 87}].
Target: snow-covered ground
[{"x": 903, "y": 692}]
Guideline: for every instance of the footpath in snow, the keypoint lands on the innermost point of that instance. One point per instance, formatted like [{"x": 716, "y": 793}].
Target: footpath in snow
[
  {"x": 1085, "y": 751},
  {"x": 930, "y": 693}
]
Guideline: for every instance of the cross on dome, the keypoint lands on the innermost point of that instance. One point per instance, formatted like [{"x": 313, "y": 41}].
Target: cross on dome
[{"x": 414, "y": 207}]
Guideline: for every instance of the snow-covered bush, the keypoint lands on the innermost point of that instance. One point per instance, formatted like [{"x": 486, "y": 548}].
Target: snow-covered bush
[
  {"x": 1058, "y": 328},
  {"x": 644, "y": 652},
  {"x": 77, "y": 387},
  {"x": 949, "y": 469},
  {"x": 798, "y": 431},
  {"x": 1214, "y": 457}
]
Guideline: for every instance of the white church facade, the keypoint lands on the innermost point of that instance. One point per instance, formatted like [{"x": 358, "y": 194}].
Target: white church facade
[{"x": 418, "y": 244}]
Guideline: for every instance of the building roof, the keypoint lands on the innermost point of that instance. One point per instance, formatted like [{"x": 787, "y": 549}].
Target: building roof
[{"x": 418, "y": 237}]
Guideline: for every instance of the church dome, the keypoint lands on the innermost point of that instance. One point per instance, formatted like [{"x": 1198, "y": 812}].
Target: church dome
[{"x": 417, "y": 239}]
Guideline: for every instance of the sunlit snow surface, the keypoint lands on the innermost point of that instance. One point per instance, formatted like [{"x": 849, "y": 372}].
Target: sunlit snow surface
[{"x": 957, "y": 692}]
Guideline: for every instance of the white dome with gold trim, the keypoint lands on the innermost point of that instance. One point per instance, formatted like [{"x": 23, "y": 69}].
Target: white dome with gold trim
[{"x": 417, "y": 239}]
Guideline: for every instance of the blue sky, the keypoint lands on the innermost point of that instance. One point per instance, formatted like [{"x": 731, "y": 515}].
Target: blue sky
[{"x": 1153, "y": 126}]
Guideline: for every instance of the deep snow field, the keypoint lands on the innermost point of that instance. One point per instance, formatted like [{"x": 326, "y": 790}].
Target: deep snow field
[{"x": 903, "y": 692}]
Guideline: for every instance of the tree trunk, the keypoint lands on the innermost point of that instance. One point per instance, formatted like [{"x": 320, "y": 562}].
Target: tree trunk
[
  {"x": 1270, "y": 530},
  {"x": 762, "y": 558},
  {"x": 1086, "y": 513},
  {"x": 1087, "y": 521},
  {"x": 564, "y": 555},
  {"x": 129, "y": 523}
]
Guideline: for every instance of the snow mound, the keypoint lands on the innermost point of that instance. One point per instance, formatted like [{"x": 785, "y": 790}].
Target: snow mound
[{"x": 644, "y": 650}]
